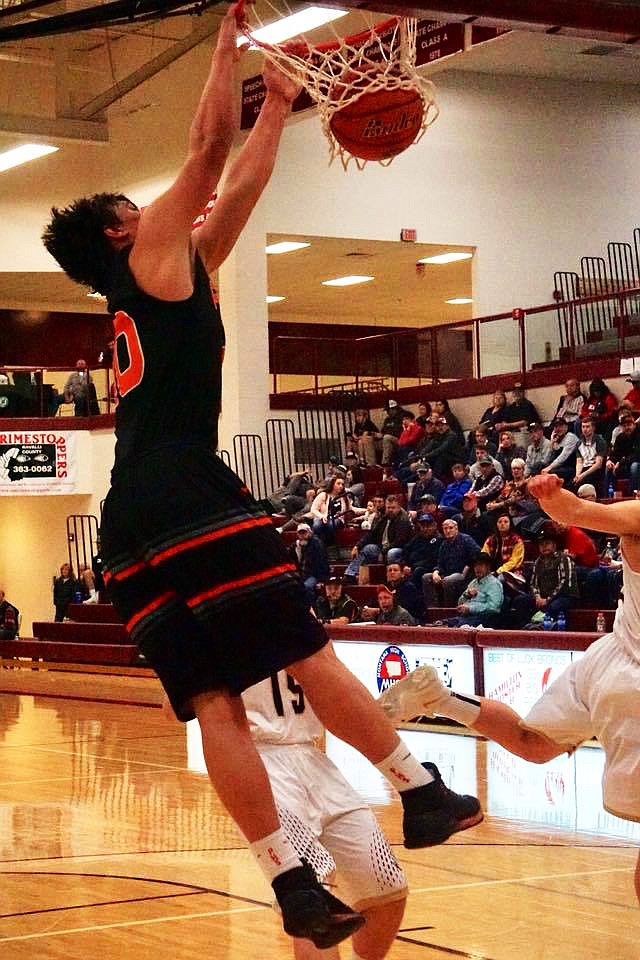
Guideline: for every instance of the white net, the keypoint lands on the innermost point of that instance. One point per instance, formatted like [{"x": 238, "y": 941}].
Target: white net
[{"x": 336, "y": 74}]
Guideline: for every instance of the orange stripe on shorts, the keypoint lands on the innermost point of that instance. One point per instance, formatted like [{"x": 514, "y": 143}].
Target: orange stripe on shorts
[
  {"x": 242, "y": 582},
  {"x": 150, "y": 608},
  {"x": 208, "y": 537}
]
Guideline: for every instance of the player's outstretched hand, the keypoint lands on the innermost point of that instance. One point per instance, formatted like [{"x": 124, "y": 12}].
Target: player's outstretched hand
[
  {"x": 544, "y": 486},
  {"x": 279, "y": 83},
  {"x": 419, "y": 694}
]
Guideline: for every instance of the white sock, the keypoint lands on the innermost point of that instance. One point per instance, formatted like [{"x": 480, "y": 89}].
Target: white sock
[
  {"x": 402, "y": 770},
  {"x": 275, "y": 854},
  {"x": 460, "y": 707}
]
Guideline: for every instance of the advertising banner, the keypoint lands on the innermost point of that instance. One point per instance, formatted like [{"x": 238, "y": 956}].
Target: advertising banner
[{"x": 38, "y": 463}]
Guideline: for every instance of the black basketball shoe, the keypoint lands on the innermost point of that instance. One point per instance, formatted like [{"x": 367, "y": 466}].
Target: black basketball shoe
[
  {"x": 310, "y": 912},
  {"x": 433, "y": 812}
]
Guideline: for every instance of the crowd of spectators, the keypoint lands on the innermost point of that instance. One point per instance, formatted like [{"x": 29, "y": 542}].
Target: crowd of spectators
[{"x": 462, "y": 540}]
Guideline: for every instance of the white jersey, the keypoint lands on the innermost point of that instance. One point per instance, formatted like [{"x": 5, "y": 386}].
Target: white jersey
[
  {"x": 278, "y": 712},
  {"x": 599, "y": 696}
]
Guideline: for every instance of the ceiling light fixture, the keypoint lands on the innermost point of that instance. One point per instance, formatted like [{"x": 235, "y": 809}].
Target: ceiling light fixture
[
  {"x": 457, "y": 300},
  {"x": 24, "y": 153},
  {"x": 346, "y": 281},
  {"x": 271, "y": 299},
  {"x": 447, "y": 258},
  {"x": 285, "y": 246},
  {"x": 300, "y": 22}
]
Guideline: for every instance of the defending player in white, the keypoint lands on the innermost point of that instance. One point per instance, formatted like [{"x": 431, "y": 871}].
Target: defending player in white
[
  {"x": 596, "y": 696},
  {"x": 328, "y": 823}
]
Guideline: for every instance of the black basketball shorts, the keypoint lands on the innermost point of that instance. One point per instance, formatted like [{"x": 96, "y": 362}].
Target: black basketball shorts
[{"x": 200, "y": 576}]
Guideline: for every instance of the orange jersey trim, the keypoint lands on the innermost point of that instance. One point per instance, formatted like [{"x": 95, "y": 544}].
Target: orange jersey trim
[{"x": 238, "y": 584}]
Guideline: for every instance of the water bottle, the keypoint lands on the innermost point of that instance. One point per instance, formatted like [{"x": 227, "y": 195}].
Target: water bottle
[
  {"x": 611, "y": 491},
  {"x": 611, "y": 549},
  {"x": 77, "y": 597},
  {"x": 561, "y": 623},
  {"x": 601, "y": 623},
  {"x": 547, "y": 623}
]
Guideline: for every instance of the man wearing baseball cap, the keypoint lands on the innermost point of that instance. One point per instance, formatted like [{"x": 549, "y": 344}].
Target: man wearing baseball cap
[
  {"x": 334, "y": 606},
  {"x": 564, "y": 451},
  {"x": 391, "y": 614},
  {"x": 539, "y": 451}
]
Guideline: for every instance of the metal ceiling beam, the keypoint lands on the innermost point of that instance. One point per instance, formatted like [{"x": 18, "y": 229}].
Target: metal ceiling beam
[
  {"x": 59, "y": 129},
  {"x": 207, "y": 25},
  {"x": 591, "y": 17}
]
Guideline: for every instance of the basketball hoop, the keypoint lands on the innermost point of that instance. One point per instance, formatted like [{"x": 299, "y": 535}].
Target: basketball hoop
[{"x": 371, "y": 100}]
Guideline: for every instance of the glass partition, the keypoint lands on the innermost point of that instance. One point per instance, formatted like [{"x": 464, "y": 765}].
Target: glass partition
[{"x": 56, "y": 391}]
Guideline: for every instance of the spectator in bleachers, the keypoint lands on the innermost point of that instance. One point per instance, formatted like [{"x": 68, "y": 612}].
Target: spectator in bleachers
[
  {"x": 391, "y": 430},
  {"x": 591, "y": 457},
  {"x": 364, "y": 438},
  {"x": 9, "y": 618},
  {"x": 371, "y": 514},
  {"x": 310, "y": 557},
  {"x": 474, "y": 469},
  {"x": 494, "y": 414},
  {"x": 603, "y": 583},
  {"x": 443, "y": 585},
  {"x": 602, "y": 406},
  {"x": 291, "y": 496},
  {"x": 385, "y": 540},
  {"x": 444, "y": 449},
  {"x": 571, "y": 403},
  {"x": 330, "y": 510},
  {"x": 480, "y": 604},
  {"x": 334, "y": 606},
  {"x": 87, "y": 583},
  {"x": 539, "y": 451},
  {"x": 580, "y": 547},
  {"x": 479, "y": 439},
  {"x": 354, "y": 485},
  {"x": 410, "y": 438},
  {"x": 515, "y": 496},
  {"x": 506, "y": 549},
  {"x": 407, "y": 594},
  {"x": 470, "y": 520},
  {"x": 391, "y": 613},
  {"x": 488, "y": 483},
  {"x": 451, "y": 499},
  {"x": 554, "y": 586},
  {"x": 631, "y": 400},
  {"x": 587, "y": 491},
  {"x": 420, "y": 555},
  {"x": 624, "y": 459},
  {"x": 424, "y": 412},
  {"x": 80, "y": 390},
  {"x": 64, "y": 588},
  {"x": 508, "y": 450},
  {"x": 564, "y": 451},
  {"x": 426, "y": 484},
  {"x": 442, "y": 408},
  {"x": 519, "y": 413}
]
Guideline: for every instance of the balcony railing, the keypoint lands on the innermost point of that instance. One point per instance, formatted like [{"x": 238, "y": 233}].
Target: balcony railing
[{"x": 506, "y": 343}]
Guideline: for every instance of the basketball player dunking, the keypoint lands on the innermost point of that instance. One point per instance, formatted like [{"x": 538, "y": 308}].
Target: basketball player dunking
[{"x": 200, "y": 576}]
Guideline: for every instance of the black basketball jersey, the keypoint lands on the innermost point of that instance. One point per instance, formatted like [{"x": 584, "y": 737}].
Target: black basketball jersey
[{"x": 167, "y": 364}]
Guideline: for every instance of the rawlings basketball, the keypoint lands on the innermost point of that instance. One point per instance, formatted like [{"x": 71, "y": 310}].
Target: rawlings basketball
[{"x": 379, "y": 125}]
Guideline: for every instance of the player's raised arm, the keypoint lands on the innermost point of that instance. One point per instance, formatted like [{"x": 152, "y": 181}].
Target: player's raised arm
[
  {"x": 621, "y": 518},
  {"x": 249, "y": 173},
  {"x": 161, "y": 257}
]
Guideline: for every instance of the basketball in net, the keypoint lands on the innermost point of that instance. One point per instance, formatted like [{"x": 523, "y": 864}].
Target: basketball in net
[
  {"x": 371, "y": 100},
  {"x": 379, "y": 125}
]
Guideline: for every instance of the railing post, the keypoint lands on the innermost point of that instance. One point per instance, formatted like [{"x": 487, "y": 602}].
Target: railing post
[
  {"x": 518, "y": 315},
  {"x": 476, "y": 349}
]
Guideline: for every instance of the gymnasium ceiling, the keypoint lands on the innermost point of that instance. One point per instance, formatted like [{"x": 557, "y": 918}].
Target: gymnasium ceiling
[{"x": 63, "y": 79}]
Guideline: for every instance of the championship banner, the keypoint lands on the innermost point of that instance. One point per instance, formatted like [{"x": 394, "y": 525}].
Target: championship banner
[
  {"x": 434, "y": 40},
  {"x": 37, "y": 464}
]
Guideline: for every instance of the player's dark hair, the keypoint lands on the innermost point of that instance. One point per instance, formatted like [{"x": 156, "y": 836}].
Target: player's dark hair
[{"x": 75, "y": 238}]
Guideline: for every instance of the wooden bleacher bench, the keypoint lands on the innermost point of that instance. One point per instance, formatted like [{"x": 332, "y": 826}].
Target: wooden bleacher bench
[
  {"x": 93, "y": 634},
  {"x": 93, "y": 613},
  {"x": 85, "y": 653}
]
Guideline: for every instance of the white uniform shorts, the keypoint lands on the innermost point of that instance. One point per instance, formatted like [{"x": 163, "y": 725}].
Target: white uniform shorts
[
  {"x": 331, "y": 826},
  {"x": 599, "y": 696}
]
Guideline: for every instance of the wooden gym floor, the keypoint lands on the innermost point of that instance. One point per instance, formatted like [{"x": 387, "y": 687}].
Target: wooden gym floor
[{"x": 112, "y": 847}]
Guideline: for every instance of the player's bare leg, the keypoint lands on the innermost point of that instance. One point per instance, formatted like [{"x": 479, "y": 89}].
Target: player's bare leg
[
  {"x": 637, "y": 878},
  {"x": 345, "y": 707}
]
